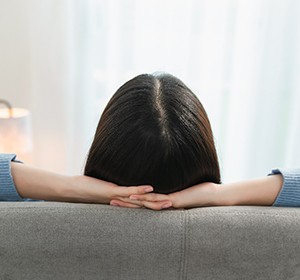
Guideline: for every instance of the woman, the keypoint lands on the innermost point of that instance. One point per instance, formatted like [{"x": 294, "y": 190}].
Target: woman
[{"x": 154, "y": 131}]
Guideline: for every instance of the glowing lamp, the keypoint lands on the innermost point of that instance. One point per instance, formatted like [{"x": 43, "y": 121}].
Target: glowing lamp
[{"x": 15, "y": 130}]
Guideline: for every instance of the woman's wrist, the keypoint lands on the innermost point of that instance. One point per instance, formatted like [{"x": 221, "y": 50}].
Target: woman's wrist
[
  {"x": 68, "y": 190},
  {"x": 87, "y": 190},
  {"x": 222, "y": 196},
  {"x": 205, "y": 194}
]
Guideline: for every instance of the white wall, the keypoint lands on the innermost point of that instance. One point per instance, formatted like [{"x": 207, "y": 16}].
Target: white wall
[
  {"x": 15, "y": 60},
  {"x": 63, "y": 59},
  {"x": 35, "y": 74}
]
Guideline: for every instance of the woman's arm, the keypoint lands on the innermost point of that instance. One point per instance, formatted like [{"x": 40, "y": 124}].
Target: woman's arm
[
  {"x": 280, "y": 189},
  {"x": 261, "y": 191},
  {"x": 39, "y": 184},
  {"x": 18, "y": 181}
]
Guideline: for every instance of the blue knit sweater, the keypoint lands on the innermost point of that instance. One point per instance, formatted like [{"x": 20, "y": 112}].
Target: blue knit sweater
[
  {"x": 289, "y": 195},
  {"x": 8, "y": 190}
]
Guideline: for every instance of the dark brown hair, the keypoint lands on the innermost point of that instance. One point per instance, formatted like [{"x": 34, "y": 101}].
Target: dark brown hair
[{"x": 154, "y": 131}]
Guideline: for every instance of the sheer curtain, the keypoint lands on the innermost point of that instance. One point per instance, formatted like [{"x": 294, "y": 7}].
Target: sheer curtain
[{"x": 239, "y": 56}]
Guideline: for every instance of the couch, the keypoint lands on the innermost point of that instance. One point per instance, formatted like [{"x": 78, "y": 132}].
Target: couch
[{"x": 52, "y": 240}]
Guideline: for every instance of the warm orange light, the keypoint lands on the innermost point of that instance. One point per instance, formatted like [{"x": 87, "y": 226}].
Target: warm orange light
[{"x": 15, "y": 131}]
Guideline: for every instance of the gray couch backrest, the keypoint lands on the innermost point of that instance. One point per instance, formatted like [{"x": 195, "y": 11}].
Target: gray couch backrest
[{"x": 48, "y": 240}]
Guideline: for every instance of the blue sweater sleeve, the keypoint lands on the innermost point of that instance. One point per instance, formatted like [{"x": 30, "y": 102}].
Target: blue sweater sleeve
[
  {"x": 8, "y": 190},
  {"x": 289, "y": 195}
]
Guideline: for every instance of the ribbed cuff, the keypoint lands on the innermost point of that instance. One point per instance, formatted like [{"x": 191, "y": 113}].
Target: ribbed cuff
[
  {"x": 8, "y": 190},
  {"x": 289, "y": 195}
]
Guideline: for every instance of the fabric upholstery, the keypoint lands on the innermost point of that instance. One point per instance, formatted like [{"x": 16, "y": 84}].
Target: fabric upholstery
[{"x": 51, "y": 240}]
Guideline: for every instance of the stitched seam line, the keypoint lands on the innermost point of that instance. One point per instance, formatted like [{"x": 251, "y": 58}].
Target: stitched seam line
[
  {"x": 182, "y": 264},
  {"x": 187, "y": 244},
  {"x": 181, "y": 246}
]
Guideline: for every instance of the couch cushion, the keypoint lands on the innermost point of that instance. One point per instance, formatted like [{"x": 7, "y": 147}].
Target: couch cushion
[
  {"x": 51, "y": 240},
  {"x": 41, "y": 240}
]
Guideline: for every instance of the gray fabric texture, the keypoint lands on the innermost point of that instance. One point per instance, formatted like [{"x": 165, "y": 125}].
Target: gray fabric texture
[{"x": 51, "y": 240}]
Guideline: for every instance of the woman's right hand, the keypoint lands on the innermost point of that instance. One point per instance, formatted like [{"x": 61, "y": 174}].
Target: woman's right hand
[{"x": 204, "y": 194}]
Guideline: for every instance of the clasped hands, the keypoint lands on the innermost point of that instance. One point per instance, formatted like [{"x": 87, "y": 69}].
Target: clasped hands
[
  {"x": 39, "y": 184},
  {"x": 100, "y": 191},
  {"x": 142, "y": 196}
]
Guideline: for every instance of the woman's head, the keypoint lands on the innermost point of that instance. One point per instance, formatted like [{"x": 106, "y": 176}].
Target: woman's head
[{"x": 154, "y": 131}]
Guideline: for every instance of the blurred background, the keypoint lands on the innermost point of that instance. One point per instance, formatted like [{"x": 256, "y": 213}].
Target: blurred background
[{"x": 64, "y": 59}]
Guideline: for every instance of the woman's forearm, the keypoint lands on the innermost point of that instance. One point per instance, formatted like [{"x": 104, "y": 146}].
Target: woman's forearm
[
  {"x": 262, "y": 191},
  {"x": 38, "y": 184},
  {"x": 34, "y": 183}
]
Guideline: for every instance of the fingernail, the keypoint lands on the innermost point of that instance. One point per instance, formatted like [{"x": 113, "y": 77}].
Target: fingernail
[
  {"x": 133, "y": 197},
  {"x": 167, "y": 205},
  {"x": 149, "y": 189},
  {"x": 114, "y": 204}
]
